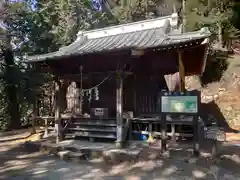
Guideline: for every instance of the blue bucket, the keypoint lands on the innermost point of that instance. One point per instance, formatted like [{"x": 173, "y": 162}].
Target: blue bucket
[{"x": 143, "y": 137}]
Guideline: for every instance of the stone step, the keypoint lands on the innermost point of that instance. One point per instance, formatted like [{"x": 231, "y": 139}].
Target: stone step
[{"x": 104, "y": 152}]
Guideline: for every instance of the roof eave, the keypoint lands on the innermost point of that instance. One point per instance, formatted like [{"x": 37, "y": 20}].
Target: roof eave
[{"x": 178, "y": 45}]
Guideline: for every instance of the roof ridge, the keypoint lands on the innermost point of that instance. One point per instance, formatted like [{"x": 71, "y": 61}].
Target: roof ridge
[
  {"x": 130, "y": 27},
  {"x": 166, "y": 22},
  {"x": 132, "y": 23}
]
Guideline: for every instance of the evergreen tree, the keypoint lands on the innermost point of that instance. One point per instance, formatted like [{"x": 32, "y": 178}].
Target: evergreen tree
[
  {"x": 130, "y": 11},
  {"x": 10, "y": 104},
  {"x": 216, "y": 14}
]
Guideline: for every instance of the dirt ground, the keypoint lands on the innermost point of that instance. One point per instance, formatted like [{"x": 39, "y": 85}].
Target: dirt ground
[{"x": 25, "y": 162}]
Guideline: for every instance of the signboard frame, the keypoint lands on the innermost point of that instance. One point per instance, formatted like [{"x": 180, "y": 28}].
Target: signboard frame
[
  {"x": 195, "y": 94},
  {"x": 195, "y": 115}
]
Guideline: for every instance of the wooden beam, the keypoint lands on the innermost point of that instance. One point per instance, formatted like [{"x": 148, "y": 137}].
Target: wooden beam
[{"x": 119, "y": 108}]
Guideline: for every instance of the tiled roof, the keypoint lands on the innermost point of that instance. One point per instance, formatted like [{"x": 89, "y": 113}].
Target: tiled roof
[{"x": 141, "y": 35}]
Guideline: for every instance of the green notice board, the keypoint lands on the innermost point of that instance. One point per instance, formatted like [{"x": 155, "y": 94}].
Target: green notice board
[{"x": 179, "y": 104}]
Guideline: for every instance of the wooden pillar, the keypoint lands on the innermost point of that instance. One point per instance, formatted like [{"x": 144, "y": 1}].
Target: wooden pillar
[
  {"x": 119, "y": 108},
  {"x": 135, "y": 94},
  {"x": 78, "y": 101},
  {"x": 57, "y": 113}
]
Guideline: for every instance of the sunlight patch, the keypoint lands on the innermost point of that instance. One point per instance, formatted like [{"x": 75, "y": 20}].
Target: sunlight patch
[
  {"x": 198, "y": 174},
  {"x": 47, "y": 162},
  {"x": 63, "y": 170},
  {"x": 170, "y": 170},
  {"x": 133, "y": 178},
  {"x": 37, "y": 171}
]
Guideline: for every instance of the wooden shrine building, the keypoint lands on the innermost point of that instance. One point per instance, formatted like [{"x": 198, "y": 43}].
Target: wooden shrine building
[{"x": 118, "y": 71}]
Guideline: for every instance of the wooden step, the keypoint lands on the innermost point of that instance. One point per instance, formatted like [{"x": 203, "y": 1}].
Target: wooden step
[
  {"x": 93, "y": 129},
  {"x": 111, "y": 121},
  {"x": 94, "y": 119},
  {"x": 91, "y": 135},
  {"x": 93, "y": 124}
]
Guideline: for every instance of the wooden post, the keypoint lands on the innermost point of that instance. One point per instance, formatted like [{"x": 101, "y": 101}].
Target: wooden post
[
  {"x": 195, "y": 136},
  {"x": 119, "y": 108},
  {"x": 173, "y": 131},
  {"x": 81, "y": 91},
  {"x": 195, "y": 130},
  {"x": 58, "y": 124},
  {"x": 45, "y": 127},
  {"x": 130, "y": 132},
  {"x": 78, "y": 101},
  {"x": 34, "y": 118},
  {"x": 164, "y": 133}
]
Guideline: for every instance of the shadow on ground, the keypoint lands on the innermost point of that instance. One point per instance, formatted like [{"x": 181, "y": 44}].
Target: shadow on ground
[{"x": 26, "y": 161}]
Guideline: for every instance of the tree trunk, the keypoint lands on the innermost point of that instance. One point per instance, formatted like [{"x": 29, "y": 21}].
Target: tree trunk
[
  {"x": 184, "y": 20},
  {"x": 10, "y": 80},
  {"x": 220, "y": 35},
  {"x": 220, "y": 28},
  {"x": 11, "y": 90}
]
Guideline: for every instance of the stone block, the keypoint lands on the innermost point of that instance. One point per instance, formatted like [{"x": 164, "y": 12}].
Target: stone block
[{"x": 63, "y": 155}]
